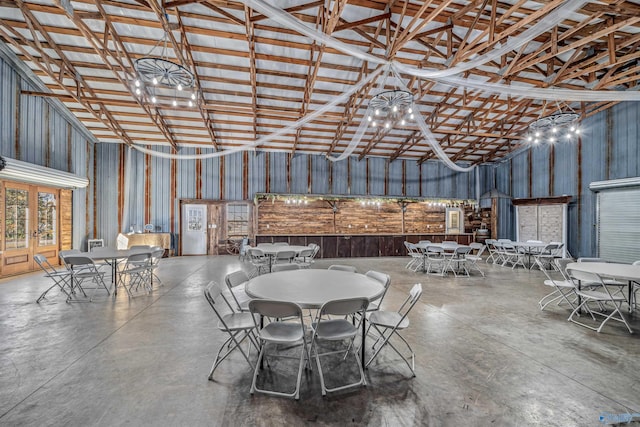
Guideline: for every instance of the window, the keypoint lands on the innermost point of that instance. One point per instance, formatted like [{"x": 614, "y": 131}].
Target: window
[
  {"x": 237, "y": 220},
  {"x": 16, "y": 214},
  {"x": 47, "y": 219}
]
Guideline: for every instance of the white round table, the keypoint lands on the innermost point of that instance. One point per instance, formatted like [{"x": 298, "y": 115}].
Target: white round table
[{"x": 312, "y": 288}]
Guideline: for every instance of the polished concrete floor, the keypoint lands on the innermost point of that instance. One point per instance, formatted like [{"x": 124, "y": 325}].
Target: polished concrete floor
[{"x": 486, "y": 355}]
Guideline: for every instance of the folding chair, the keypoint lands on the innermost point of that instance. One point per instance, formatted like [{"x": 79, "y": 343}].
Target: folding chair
[
  {"x": 385, "y": 280},
  {"x": 545, "y": 256},
  {"x": 338, "y": 329},
  {"x": 417, "y": 259},
  {"x": 389, "y": 324},
  {"x": 305, "y": 258},
  {"x": 137, "y": 269},
  {"x": 563, "y": 288},
  {"x": 235, "y": 284},
  {"x": 157, "y": 253},
  {"x": 457, "y": 259},
  {"x": 258, "y": 259},
  {"x": 83, "y": 268},
  {"x": 348, "y": 268},
  {"x": 471, "y": 259},
  {"x": 289, "y": 332},
  {"x": 434, "y": 256},
  {"x": 285, "y": 267},
  {"x": 512, "y": 256},
  {"x": 493, "y": 255},
  {"x": 284, "y": 256},
  {"x": 239, "y": 326},
  {"x": 61, "y": 278},
  {"x": 600, "y": 294}
]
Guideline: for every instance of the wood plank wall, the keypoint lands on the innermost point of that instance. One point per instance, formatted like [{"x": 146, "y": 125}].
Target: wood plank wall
[
  {"x": 276, "y": 217},
  {"x": 66, "y": 219}
]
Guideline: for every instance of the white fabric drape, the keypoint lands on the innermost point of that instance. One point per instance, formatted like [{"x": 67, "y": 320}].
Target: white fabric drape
[{"x": 126, "y": 215}]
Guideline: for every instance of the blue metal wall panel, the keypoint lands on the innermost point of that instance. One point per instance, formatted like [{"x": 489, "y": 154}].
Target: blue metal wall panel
[
  {"x": 136, "y": 188},
  {"x": 506, "y": 221},
  {"x": 108, "y": 156},
  {"x": 8, "y": 83},
  {"x": 278, "y": 172},
  {"x": 319, "y": 175},
  {"x": 33, "y": 127},
  {"x": 59, "y": 130},
  {"x": 395, "y": 177},
  {"x": 211, "y": 178},
  {"x": 358, "y": 176},
  {"x": 520, "y": 175},
  {"x": 186, "y": 176},
  {"x": 160, "y": 197},
  {"x": 625, "y": 150},
  {"x": 340, "y": 177},
  {"x": 412, "y": 178},
  {"x": 377, "y": 171},
  {"x": 540, "y": 170},
  {"x": 233, "y": 176},
  {"x": 429, "y": 179},
  {"x": 81, "y": 164},
  {"x": 503, "y": 177},
  {"x": 487, "y": 178},
  {"x": 299, "y": 174},
  {"x": 565, "y": 169},
  {"x": 257, "y": 173}
]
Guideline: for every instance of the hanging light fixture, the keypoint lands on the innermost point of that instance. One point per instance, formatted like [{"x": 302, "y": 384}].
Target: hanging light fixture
[
  {"x": 159, "y": 76},
  {"x": 554, "y": 127},
  {"x": 390, "y": 107}
]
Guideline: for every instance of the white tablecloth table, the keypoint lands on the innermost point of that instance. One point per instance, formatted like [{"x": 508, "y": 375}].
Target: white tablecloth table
[{"x": 312, "y": 288}]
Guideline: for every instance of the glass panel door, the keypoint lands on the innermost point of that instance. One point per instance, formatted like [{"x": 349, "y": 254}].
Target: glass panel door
[
  {"x": 47, "y": 219},
  {"x": 16, "y": 214}
]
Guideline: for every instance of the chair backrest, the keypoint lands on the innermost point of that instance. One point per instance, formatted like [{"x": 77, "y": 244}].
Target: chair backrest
[
  {"x": 542, "y": 268},
  {"x": 285, "y": 255},
  {"x": 550, "y": 248},
  {"x": 212, "y": 292},
  {"x": 281, "y": 243},
  {"x": 66, "y": 253},
  {"x": 256, "y": 253},
  {"x": 284, "y": 267},
  {"x": 157, "y": 252},
  {"x": 349, "y": 268},
  {"x": 275, "y": 309},
  {"x": 590, "y": 278},
  {"x": 462, "y": 250},
  {"x": 141, "y": 259},
  {"x": 561, "y": 265},
  {"x": 44, "y": 264},
  {"x": 383, "y": 278},
  {"x": 591, "y": 260},
  {"x": 343, "y": 307},
  {"x": 504, "y": 240},
  {"x": 636, "y": 262},
  {"x": 78, "y": 260},
  {"x": 477, "y": 247},
  {"x": 236, "y": 278},
  {"x": 424, "y": 242},
  {"x": 449, "y": 243},
  {"x": 306, "y": 253},
  {"x": 434, "y": 251},
  {"x": 412, "y": 298},
  {"x": 535, "y": 241}
]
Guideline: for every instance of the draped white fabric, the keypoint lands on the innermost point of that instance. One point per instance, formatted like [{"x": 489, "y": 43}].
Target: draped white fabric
[{"x": 444, "y": 76}]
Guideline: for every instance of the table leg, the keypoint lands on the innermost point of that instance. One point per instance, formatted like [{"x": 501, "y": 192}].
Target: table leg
[{"x": 363, "y": 339}]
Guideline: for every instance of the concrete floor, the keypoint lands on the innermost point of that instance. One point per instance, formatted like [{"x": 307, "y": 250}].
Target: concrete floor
[{"x": 486, "y": 355}]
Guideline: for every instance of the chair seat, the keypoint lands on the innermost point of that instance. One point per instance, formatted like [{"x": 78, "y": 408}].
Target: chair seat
[
  {"x": 237, "y": 322},
  {"x": 559, "y": 283},
  {"x": 282, "y": 332},
  {"x": 600, "y": 296},
  {"x": 335, "y": 329},
  {"x": 388, "y": 319}
]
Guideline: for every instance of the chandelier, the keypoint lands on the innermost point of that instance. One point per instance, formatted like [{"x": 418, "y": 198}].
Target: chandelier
[
  {"x": 554, "y": 127},
  {"x": 157, "y": 76},
  {"x": 390, "y": 107}
]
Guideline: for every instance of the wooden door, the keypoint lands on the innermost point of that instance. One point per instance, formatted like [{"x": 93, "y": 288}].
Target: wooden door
[{"x": 30, "y": 221}]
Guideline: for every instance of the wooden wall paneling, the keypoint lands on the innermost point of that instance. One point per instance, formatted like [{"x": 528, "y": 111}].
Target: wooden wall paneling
[
  {"x": 316, "y": 217},
  {"x": 372, "y": 246},
  {"x": 318, "y": 241},
  {"x": 359, "y": 246},
  {"x": 344, "y": 247},
  {"x": 386, "y": 246},
  {"x": 398, "y": 246},
  {"x": 66, "y": 219},
  {"x": 298, "y": 240},
  {"x": 198, "y": 172},
  {"x": 422, "y": 218},
  {"x": 329, "y": 246},
  {"x": 121, "y": 170},
  {"x": 354, "y": 218}
]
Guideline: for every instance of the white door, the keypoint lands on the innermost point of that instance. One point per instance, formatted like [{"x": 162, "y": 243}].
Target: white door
[{"x": 194, "y": 229}]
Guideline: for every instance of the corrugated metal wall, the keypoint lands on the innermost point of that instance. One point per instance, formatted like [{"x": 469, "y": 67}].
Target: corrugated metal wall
[
  {"x": 46, "y": 137},
  {"x": 608, "y": 149}
]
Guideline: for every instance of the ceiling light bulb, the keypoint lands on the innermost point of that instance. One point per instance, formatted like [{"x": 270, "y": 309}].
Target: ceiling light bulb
[
  {"x": 537, "y": 134},
  {"x": 153, "y": 99},
  {"x": 179, "y": 86},
  {"x": 411, "y": 116},
  {"x": 568, "y": 136},
  {"x": 155, "y": 81},
  {"x": 395, "y": 108},
  {"x": 190, "y": 103},
  {"x": 552, "y": 140},
  {"x": 402, "y": 122},
  {"x": 377, "y": 112},
  {"x": 387, "y": 125},
  {"x": 368, "y": 118},
  {"x": 175, "y": 103},
  {"x": 374, "y": 124},
  {"x": 554, "y": 129},
  {"x": 137, "y": 91},
  {"x": 137, "y": 83},
  {"x": 193, "y": 96},
  {"x": 529, "y": 138},
  {"x": 577, "y": 131},
  {"x": 409, "y": 111},
  {"x": 535, "y": 141},
  {"x": 572, "y": 129}
]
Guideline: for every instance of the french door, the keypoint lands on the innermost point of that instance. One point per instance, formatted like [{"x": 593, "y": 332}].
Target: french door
[{"x": 30, "y": 221}]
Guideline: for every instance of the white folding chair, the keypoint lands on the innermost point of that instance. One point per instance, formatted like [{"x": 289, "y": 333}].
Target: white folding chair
[
  {"x": 61, "y": 278},
  {"x": 416, "y": 257},
  {"x": 456, "y": 260},
  {"x": 239, "y": 326},
  {"x": 83, "y": 268},
  {"x": 157, "y": 252},
  {"x": 471, "y": 259},
  {"x": 348, "y": 268},
  {"x": 563, "y": 288},
  {"x": 289, "y": 332},
  {"x": 285, "y": 267},
  {"x": 284, "y": 256},
  {"x": 545, "y": 256},
  {"x": 600, "y": 294},
  {"x": 136, "y": 273},
  {"x": 491, "y": 248},
  {"x": 235, "y": 284},
  {"x": 385, "y": 281},
  {"x": 259, "y": 260},
  {"x": 326, "y": 328},
  {"x": 434, "y": 257},
  {"x": 305, "y": 258},
  {"x": 389, "y": 324},
  {"x": 511, "y": 255}
]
